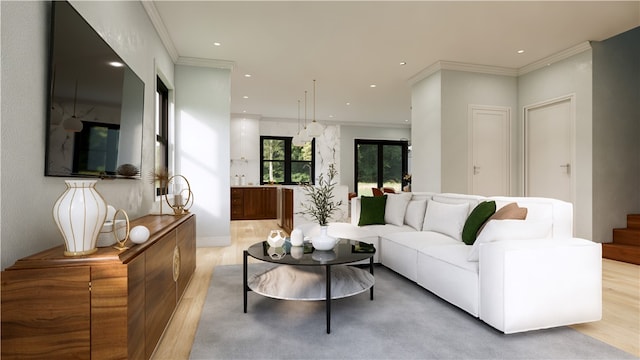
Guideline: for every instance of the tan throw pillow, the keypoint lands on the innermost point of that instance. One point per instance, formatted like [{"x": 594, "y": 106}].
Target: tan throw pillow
[{"x": 510, "y": 211}]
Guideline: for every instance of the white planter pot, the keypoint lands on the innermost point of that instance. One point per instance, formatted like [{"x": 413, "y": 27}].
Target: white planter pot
[
  {"x": 80, "y": 213},
  {"x": 323, "y": 241}
]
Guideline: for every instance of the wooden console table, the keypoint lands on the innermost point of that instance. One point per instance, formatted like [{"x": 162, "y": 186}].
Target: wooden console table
[{"x": 108, "y": 305}]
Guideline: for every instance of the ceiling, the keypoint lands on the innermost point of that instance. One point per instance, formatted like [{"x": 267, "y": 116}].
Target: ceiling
[{"x": 347, "y": 46}]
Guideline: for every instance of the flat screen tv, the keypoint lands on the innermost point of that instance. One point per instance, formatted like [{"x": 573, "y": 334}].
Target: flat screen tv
[{"x": 96, "y": 103}]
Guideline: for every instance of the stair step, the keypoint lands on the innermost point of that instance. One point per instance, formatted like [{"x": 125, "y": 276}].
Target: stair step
[
  {"x": 625, "y": 253},
  {"x": 633, "y": 221},
  {"x": 626, "y": 236}
]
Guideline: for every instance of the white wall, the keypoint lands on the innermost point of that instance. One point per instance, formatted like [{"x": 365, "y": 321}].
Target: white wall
[
  {"x": 569, "y": 76},
  {"x": 616, "y": 129},
  {"x": 426, "y": 134},
  {"x": 27, "y": 196},
  {"x": 203, "y": 149},
  {"x": 245, "y": 149},
  {"x": 459, "y": 90}
]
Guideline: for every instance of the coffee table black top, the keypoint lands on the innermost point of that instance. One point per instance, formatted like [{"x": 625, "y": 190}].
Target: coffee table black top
[{"x": 346, "y": 251}]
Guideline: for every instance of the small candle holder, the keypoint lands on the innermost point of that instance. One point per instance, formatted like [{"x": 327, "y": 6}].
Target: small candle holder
[
  {"x": 121, "y": 242},
  {"x": 182, "y": 199}
]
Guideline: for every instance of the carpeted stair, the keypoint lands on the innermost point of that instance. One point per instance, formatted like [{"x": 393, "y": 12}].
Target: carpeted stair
[{"x": 626, "y": 242}]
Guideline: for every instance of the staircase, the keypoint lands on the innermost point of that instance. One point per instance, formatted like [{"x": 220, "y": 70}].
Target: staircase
[{"x": 626, "y": 242}]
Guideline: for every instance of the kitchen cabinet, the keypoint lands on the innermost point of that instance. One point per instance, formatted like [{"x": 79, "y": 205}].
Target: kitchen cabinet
[{"x": 253, "y": 203}]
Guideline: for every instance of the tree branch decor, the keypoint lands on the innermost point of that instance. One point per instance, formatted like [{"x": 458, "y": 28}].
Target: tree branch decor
[{"x": 320, "y": 205}]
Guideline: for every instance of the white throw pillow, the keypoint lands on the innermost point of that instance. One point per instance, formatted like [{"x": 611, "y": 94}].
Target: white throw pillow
[
  {"x": 446, "y": 219},
  {"x": 414, "y": 216},
  {"x": 395, "y": 208},
  {"x": 497, "y": 230}
]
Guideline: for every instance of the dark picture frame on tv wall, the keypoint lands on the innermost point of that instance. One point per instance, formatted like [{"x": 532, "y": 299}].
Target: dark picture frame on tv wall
[{"x": 95, "y": 106}]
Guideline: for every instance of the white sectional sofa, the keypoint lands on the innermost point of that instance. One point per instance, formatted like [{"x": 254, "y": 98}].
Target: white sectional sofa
[{"x": 519, "y": 275}]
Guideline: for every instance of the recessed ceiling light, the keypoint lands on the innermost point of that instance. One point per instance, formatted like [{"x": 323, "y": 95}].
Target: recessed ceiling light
[
  {"x": 403, "y": 63},
  {"x": 520, "y": 51},
  {"x": 216, "y": 44},
  {"x": 244, "y": 111},
  {"x": 116, "y": 64},
  {"x": 331, "y": 116},
  {"x": 245, "y": 97},
  {"x": 348, "y": 104},
  {"x": 406, "y": 120},
  {"x": 247, "y": 75},
  {"x": 372, "y": 85}
]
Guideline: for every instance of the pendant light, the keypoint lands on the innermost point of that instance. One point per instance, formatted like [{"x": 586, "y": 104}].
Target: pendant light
[
  {"x": 302, "y": 135},
  {"x": 73, "y": 124},
  {"x": 297, "y": 139},
  {"x": 314, "y": 129}
]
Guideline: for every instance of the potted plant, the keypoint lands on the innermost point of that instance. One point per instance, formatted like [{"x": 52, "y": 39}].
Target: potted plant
[{"x": 320, "y": 205}]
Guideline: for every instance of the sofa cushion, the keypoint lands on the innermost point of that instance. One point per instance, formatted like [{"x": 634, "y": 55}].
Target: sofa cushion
[
  {"x": 449, "y": 198},
  {"x": 382, "y": 230},
  {"x": 395, "y": 208},
  {"x": 476, "y": 219},
  {"x": 447, "y": 219},
  {"x": 372, "y": 210},
  {"x": 414, "y": 216},
  {"x": 418, "y": 239},
  {"x": 510, "y": 211},
  {"x": 498, "y": 230}
]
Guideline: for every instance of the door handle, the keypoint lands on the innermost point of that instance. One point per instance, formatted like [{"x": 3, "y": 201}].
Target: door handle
[
  {"x": 476, "y": 170},
  {"x": 567, "y": 167}
]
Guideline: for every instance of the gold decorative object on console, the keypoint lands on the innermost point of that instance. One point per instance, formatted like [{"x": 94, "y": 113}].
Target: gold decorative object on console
[
  {"x": 123, "y": 241},
  {"x": 160, "y": 179},
  {"x": 179, "y": 203}
]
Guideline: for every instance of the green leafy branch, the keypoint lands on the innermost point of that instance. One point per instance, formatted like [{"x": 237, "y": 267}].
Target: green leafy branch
[{"x": 320, "y": 205}]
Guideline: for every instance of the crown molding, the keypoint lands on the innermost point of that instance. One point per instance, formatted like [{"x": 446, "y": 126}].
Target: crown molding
[
  {"x": 497, "y": 70},
  {"x": 211, "y": 63},
  {"x": 458, "y": 66},
  {"x": 564, "y": 54},
  {"x": 158, "y": 24}
]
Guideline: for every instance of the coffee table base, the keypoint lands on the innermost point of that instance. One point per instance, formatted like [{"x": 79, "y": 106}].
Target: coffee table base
[
  {"x": 290, "y": 282},
  {"x": 347, "y": 280}
]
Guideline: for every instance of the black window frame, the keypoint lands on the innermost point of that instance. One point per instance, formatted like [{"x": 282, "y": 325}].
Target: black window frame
[
  {"x": 163, "y": 136},
  {"x": 380, "y": 144},
  {"x": 288, "y": 143}
]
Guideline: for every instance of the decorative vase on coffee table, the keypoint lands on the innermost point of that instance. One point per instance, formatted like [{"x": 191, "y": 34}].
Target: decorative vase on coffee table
[
  {"x": 323, "y": 241},
  {"x": 79, "y": 213}
]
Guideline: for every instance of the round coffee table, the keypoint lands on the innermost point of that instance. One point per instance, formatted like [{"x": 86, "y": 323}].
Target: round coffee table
[{"x": 301, "y": 277}]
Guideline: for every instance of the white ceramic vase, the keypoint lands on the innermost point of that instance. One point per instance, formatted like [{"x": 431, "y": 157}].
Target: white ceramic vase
[
  {"x": 297, "y": 237},
  {"x": 323, "y": 241},
  {"x": 80, "y": 213}
]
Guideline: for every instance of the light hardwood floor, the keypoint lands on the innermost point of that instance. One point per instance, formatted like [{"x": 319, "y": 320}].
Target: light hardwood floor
[{"x": 620, "y": 324}]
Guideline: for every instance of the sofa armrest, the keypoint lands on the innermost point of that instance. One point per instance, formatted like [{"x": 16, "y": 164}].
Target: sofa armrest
[
  {"x": 355, "y": 211},
  {"x": 535, "y": 284}
]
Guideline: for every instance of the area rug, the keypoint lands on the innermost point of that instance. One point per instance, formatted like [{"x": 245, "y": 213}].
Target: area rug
[{"x": 404, "y": 321}]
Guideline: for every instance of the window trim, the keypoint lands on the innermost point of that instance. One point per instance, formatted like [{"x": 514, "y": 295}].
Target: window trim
[
  {"x": 288, "y": 143},
  {"x": 380, "y": 144}
]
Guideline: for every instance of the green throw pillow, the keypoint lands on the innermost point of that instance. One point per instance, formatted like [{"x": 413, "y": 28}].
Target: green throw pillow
[
  {"x": 478, "y": 216},
  {"x": 372, "y": 210}
]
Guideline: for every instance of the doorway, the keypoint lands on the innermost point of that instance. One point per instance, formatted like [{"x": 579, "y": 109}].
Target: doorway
[
  {"x": 549, "y": 145},
  {"x": 489, "y": 150}
]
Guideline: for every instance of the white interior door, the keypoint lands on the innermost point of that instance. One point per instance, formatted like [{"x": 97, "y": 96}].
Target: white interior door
[
  {"x": 549, "y": 149},
  {"x": 489, "y": 150}
]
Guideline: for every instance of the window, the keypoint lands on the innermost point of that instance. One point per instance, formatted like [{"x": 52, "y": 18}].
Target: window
[
  {"x": 284, "y": 163},
  {"x": 96, "y": 149},
  {"x": 380, "y": 163},
  {"x": 162, "y": 130}
]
